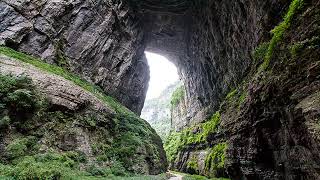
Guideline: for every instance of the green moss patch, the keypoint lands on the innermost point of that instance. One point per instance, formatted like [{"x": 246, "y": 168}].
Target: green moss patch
[{"x": 278, "y": 33}]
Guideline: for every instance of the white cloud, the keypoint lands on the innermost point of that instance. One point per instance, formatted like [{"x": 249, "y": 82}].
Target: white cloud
[{"x": 162, "y": 74}]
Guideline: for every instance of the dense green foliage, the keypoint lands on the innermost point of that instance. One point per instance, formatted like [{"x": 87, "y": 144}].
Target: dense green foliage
[
  {"x": 18, "y": 100},
  {"x": 216, "y": 158},
  {"x": 177, "y": 96},
  {"x": 180, "y": 140},
  {"x": 278, "y": 32},
  {"x": 192, "y": 165},
  {"x": 43, "y": 166}
]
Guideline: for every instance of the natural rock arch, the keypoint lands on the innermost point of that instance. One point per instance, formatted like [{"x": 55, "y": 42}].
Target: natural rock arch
[
  {"x": 104, "y": 41},
  {"x": 209, "y": 41}
]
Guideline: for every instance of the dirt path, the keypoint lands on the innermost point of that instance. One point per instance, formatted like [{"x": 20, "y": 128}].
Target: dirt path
[{"x": 175, "y": 176}]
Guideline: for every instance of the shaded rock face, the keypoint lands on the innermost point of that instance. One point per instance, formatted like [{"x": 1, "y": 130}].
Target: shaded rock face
[
  {"x": 210, "y": 42},
  {"x": 99, "y": 40},
  {"x": 269, "y": 122}
]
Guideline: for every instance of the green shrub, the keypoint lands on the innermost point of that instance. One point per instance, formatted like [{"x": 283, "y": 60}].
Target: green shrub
[
  {"x": 173, "y": 145},
  {"x": 211, "y": 125},
  {"x": 77, "y": 156},
  {"x": 22, "y": 100},
  {"x": 17, "y": 148},
  {"x": 98, "y": 171},
  {"x": 43, "y": 166},
  {"x": 118, "y": 169},
  {"x": 18, "y": 98}
]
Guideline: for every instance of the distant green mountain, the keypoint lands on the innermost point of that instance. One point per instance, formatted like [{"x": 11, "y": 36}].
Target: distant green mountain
[{"x": 157, "y": 111}]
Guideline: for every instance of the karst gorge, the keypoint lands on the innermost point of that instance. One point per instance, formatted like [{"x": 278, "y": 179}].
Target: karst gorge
[{"x": 74, "y": 79}]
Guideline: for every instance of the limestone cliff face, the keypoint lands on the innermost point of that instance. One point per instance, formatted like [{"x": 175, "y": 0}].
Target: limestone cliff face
[
  {"x": 99, "y": 40},
  {"x": 265, "y": 121}
]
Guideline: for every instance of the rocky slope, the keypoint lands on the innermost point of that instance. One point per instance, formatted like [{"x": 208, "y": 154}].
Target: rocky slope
[
  {"x": 49, "y": 121},
  {"x": 157, "y": 112}
]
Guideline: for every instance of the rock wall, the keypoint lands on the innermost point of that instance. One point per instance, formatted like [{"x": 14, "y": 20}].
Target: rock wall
[
  {"x": 268, "y": 120},
  {"x": 210, "y": 42},
  {"x": 99, "y": 40}
]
